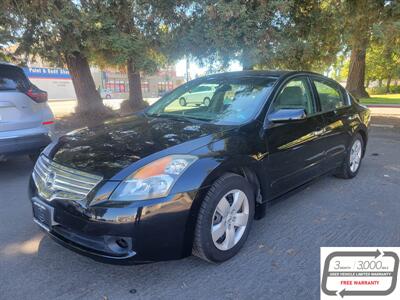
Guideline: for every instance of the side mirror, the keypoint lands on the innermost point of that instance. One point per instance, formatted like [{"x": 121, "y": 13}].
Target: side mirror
[{"x": 287, "y": 115}]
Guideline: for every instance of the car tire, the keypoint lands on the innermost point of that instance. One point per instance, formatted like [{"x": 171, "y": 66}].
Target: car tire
[
  {"x": 182, "y": 102},
  {"x": 352, "y": 162},
  {"x": 224, "y": 221},
  {"x": 206, "y": 101},
  {"x": 108, "y": 96}
]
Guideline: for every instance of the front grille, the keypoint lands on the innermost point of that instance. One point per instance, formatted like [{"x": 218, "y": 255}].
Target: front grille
[{"x": 56, "y": 181}]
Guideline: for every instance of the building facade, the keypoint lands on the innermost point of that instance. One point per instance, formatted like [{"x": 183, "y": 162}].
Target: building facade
[
  {"x": 153, "y": 86},
  {"x": 110, "y": 84}
]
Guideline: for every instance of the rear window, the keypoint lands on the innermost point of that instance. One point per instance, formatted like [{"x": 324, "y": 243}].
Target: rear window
[
  {"x": 330, "y": 96},
  {"x": 13, "y": 78}
]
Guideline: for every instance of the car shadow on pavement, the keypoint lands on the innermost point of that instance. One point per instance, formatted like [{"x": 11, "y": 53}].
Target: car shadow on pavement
[{"x": 16, "y": 166}]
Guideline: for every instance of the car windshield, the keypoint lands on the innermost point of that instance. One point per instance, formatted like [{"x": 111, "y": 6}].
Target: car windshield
[{"x": 224, "y": 101}]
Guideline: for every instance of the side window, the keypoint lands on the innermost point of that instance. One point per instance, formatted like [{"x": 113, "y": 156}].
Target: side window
[
  {"x": 295, "y": 94},
  {"x": 201, "y": 89},
  {"x": 195, "y": 90},
  {"x": 329, "y": 95}
]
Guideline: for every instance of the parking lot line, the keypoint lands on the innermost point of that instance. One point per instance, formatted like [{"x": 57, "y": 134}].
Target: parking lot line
[{"x": 382, "y": 125}]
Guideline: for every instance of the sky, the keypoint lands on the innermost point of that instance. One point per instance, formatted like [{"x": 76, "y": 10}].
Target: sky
[{"x": 196, "y": 69}]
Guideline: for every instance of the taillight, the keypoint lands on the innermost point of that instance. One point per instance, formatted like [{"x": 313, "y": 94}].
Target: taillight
[
  {"x": 37, "y": 95},
  {"x": 47, "y": 122}
]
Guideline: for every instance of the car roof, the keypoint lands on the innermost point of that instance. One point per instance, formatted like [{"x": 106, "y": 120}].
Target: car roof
[
  {"x": 263, "y": 73},
  {"x": 4, "y": 63}
]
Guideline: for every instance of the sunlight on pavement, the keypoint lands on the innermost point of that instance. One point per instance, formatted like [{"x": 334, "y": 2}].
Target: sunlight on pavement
[
  {"x": 28, "y": 247},
  {"x": 385, "y": 111},
  {"x": 63, "y": 108}
]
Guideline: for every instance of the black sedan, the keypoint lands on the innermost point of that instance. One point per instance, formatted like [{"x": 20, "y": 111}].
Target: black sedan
[{"x": 175, "y": 180}]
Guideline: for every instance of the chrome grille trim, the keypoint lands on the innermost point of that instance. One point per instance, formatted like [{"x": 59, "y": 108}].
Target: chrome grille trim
[{"x": 53, "y": 181}]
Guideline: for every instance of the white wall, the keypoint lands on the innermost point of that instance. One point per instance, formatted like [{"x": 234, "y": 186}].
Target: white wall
[{"x": 57, "y": 89}]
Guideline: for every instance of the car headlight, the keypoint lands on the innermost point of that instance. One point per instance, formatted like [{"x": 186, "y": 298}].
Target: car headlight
[{"x": 154, "y": 180}]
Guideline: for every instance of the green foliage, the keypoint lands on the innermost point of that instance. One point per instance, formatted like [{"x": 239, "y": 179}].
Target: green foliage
[
  {"x": 341, "y": 67},
  {"x": 383, "y": 55},
  {"x": 9, "y": 26},
  {"x": 274, "y": 34},
  {"x": 286, "y": 34},
  {"x": 382, "y": 99},
  {"x": 130, "y": 30},
  {"x": 52, "y": 29},
  {"x": 358, "y": 18},
  {"x": 379, "y": 90}
]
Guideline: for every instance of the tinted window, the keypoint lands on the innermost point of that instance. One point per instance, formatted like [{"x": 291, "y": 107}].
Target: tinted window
[
  {"x": 13, "y": 78},
  {"x": 329, "y": 95},
  {"x": 295, "y": 95}
]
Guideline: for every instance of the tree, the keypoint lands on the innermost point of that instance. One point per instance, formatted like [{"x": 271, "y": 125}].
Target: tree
[
  {"x": 381, "y": 64},
  {"x": 383, "y": 55},
  {"x": 360, "y": 20},
  {"x": 9, "y": 26},
  {"x": 310, "y": 38},
  {"x": 57, "y": 31},
  {"x": 287, "y": 34},
  {"x": 130, "y": 35}
]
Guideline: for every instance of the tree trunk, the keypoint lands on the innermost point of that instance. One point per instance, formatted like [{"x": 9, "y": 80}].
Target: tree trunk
[
  {"x": 380, "y": 83},
  {"x": 367, "y": 83},
  {"x": 356, "y": 78},
  {"x": 389, "y": 80},
  {"x": 89, "y": 100},
  {"x": 135, "y": 87}
]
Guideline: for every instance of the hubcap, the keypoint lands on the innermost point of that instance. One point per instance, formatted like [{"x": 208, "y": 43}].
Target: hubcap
[
  {"x": 355, "y": 156},
  {"x": 230, "y": 220}
]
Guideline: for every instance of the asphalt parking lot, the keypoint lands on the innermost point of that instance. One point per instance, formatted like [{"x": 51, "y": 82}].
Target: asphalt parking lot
[{"x": 279, "y": 261}]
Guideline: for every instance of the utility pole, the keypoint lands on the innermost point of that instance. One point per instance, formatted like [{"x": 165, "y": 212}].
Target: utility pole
[{"x": 187, "y": 68}]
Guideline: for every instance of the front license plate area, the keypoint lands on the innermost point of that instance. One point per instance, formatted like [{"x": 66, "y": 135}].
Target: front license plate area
[{"x": 42, "y": 214}]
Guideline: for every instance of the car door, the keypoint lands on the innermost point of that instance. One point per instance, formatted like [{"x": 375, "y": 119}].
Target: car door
[
  {"x": 196, "y": 94},
  {"x": 336, "y": 111},
  {"x": 295, "y": 151}
]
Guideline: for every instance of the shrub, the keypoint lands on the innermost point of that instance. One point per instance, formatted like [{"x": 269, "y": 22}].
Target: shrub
[{"x": 382, "y": 90}]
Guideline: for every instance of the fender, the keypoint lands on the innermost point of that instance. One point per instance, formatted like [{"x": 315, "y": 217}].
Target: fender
[{"x": 208, "y": 169}]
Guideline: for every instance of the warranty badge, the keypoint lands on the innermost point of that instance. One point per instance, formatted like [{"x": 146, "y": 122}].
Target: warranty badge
[{"x": 360, "y": 273}]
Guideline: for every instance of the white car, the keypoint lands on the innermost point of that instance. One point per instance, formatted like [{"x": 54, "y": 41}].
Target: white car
[
  {"x": 26, "y": 121},
  {"x": 106, "y": 93},
  {"x": 199, "y": 95}
]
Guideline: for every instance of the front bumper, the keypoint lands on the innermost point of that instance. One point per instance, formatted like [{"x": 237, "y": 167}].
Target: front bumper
[{"x": 138, "y": 233}]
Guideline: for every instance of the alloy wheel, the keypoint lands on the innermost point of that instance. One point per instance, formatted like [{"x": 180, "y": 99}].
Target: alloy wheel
[
  {"x": 355, "y": 155},
  {"x": 230, "y": 219}
]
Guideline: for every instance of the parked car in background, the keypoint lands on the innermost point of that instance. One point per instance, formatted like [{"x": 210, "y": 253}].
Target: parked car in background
[
  {"x": 26, "y": 120},
  {"x": 106, "y": 93},
  {"x": 175, "y": 180},
  {"x": 198, "y": 95}
]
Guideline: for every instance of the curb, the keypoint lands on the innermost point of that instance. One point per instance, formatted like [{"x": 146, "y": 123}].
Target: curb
[{"x": 383, "y": 106}]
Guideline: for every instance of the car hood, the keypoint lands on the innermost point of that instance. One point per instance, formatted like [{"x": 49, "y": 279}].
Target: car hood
[{"x": 110, "y": 147}]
